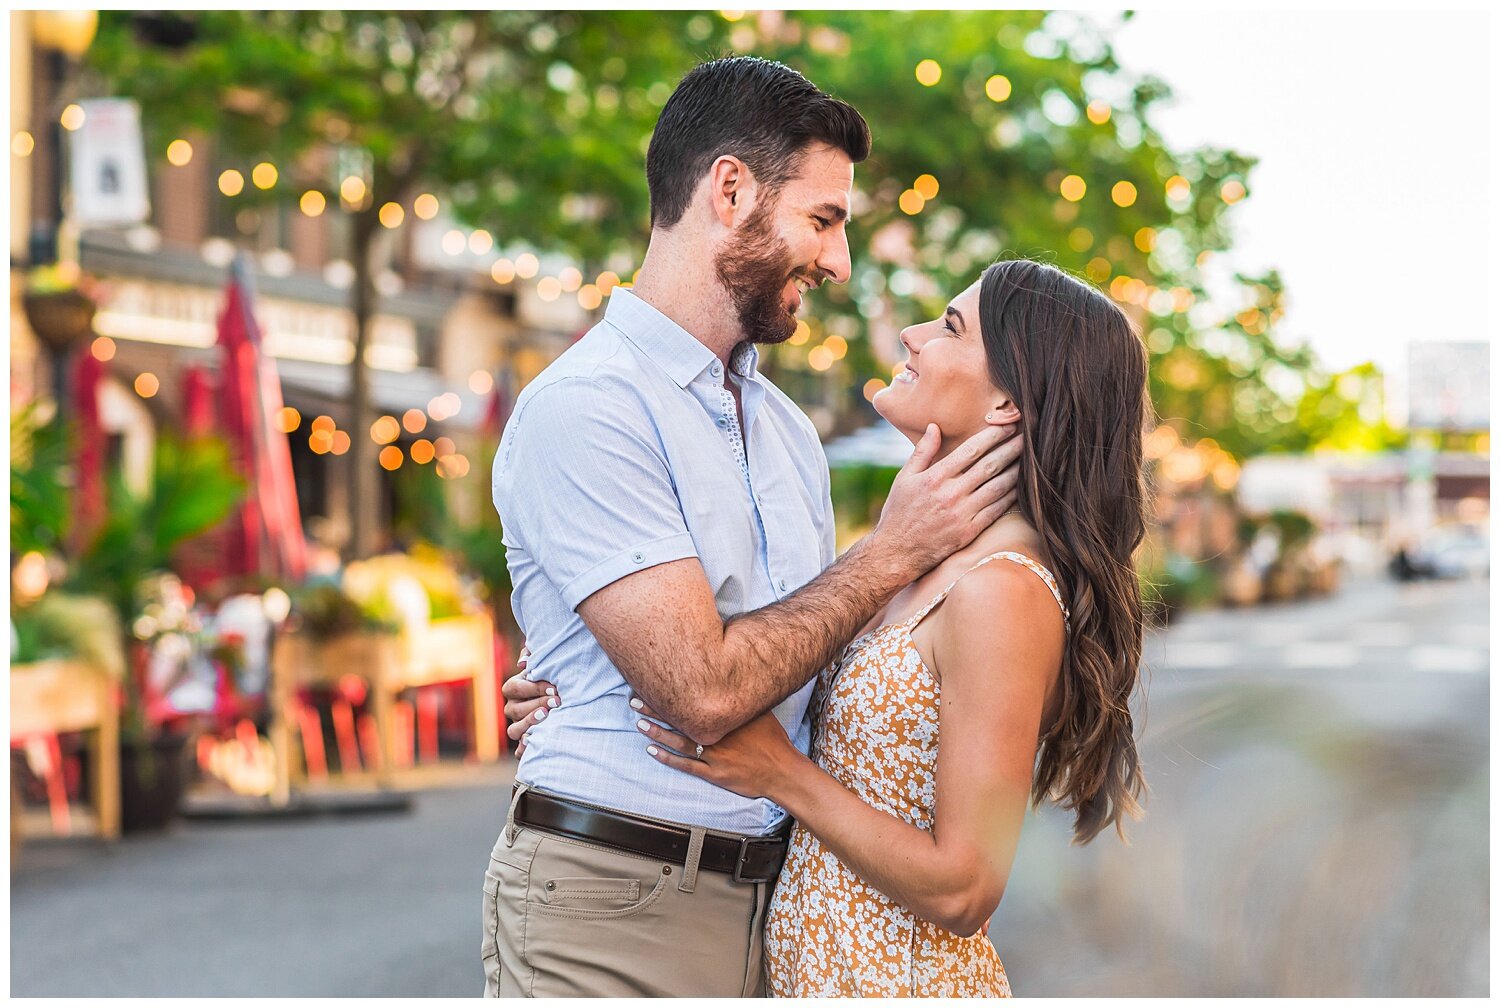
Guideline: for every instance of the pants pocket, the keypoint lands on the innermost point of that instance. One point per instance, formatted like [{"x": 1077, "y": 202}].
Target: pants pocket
[{"x": 489, "y": 950}]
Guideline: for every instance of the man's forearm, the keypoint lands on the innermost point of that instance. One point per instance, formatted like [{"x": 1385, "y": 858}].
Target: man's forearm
[{"x": 772, "y": 652}]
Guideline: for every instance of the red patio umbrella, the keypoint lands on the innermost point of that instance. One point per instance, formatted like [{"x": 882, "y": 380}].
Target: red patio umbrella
[
  {"x": 88, "y": 498},
  {"x": 267, "y": 532}
]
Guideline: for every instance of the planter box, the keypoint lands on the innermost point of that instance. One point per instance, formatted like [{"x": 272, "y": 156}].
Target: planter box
[
  {"x": 47, "y": 698},
  {"x": 455, "y": 649}
]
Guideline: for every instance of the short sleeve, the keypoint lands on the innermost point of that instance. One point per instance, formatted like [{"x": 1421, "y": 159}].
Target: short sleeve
[{"x": 581, "y": 482}]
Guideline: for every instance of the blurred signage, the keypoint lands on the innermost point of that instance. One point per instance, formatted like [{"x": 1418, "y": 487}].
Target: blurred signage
[
  {"x": 108, "y": 165},
  {"x": 1450, "y": 386}
]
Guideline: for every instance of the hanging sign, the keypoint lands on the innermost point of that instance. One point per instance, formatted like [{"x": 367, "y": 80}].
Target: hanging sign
[{"x": 108, "y": 165}]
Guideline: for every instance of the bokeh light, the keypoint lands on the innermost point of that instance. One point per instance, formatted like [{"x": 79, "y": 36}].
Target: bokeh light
[
  {"x": 997, "y": 88},
  {"x": 146, "y": 385},
  {"x": 179, "y": 153},
  {"x": 231, "y": 182},
  {"x": 1072, "y": 188},
  {"x": 929, "y": 72},
  {"x": 264, "y": 175},
  {"x": 312, "y": 203}
]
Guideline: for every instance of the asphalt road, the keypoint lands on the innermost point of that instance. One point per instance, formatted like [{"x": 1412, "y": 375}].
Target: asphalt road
[{"x": 1318, "y": 825}]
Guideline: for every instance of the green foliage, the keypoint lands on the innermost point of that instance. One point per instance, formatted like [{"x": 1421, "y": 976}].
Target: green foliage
[
  {"x": 324, "y": 612},
  {"x": 193, "y": 487},
  {"x": 62, "y": 625},
  {"x": 41, "y": 481},
  {"x": 859, "y": 492}
]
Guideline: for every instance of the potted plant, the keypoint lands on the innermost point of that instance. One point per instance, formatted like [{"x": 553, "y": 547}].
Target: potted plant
[{"x": 60, "y": 301}]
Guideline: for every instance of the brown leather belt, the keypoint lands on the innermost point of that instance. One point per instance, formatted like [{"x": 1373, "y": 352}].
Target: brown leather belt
[{"x": 746, "y": 859}]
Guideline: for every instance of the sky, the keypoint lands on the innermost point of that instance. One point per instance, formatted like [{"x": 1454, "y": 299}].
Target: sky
[{"x": 1372, "y": 196}]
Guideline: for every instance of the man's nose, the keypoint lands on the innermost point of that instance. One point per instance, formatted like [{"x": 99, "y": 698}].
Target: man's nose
[{"x": 835, "y": 261}]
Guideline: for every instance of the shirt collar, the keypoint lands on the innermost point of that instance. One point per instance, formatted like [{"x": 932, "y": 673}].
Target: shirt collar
[{"x": 673, "y": 349}]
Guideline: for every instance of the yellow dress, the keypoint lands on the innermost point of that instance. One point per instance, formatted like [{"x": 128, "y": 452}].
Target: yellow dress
[{"x": 828, "y": 933}]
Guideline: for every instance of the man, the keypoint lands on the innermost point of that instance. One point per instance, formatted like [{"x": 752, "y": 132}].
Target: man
[{"x": 667, "y": 514}]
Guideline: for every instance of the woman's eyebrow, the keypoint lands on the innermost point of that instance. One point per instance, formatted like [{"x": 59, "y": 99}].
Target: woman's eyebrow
[{"x": 957, "y": 316}]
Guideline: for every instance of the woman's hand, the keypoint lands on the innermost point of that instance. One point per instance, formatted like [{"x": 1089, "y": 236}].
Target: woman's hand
[
  {"x": 526, "y": 702},
  {"x": 756, "y": 760}
]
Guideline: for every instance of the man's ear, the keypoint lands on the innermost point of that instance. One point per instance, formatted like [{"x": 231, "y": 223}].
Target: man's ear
[
  {"x": 1003, "y": 412},
  {"x": 731, "y": 190}
]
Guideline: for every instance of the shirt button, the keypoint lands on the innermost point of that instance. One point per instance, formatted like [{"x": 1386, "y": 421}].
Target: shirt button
[
  {"x": 716, "y": 370},
  {"x": 781, "y": 585},
  {"x": 638, "y": 557},
  {"x": 723, "y": 421}
]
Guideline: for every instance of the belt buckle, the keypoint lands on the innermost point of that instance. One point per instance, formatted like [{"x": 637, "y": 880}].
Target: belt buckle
[{"x": 739, "y": 862}]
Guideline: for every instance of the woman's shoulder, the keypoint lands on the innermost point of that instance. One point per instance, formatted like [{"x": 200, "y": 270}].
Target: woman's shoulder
[{"x": 1006, "y": 598}]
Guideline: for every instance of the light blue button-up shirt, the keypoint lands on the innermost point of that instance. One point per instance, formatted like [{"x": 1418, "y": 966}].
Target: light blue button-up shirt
[{"x": 625, "y": 453}]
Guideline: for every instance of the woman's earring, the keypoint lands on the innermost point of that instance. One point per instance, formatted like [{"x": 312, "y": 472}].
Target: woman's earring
[{"x": 989, "y": 416}]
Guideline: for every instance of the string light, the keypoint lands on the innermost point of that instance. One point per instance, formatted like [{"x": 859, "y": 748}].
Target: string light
[
  {"x": 549, "y": 288},
  {"x": 502, "y": 271},
  {"x": 527, "y": 265},
  {"x": 997, "y": 88},
  {"x": 607, "y": 282},
  {"x": 323, "y": 424},
  {"x": 103, "y": 349},
  {"x": 340, "y": 442},
  {"x": 480, "y": 241},
  {"x": 352, "y": 190},
  {"x": 22, "y": 144},
  {"x": 425, "y": 206},
  {"x": 390, "y": 458},
  {"x": 231, "y": 182},
  {"x": 146, "y": 385},
  {"x": 385, "y": 430},
  {"x": 1145, "y": 239},
  {"x": 926, "y": 186},
  {"x": 837, "y": 346},
  {"x": 801, "y": 334},
  {"x": 911, "y": 202},
  {"x": 72, "y": 117},
  {"x": 481, "y": 382},
  {"x": 391, "y": 216},
  {"x": 1072, "y": 188},
  {"x": 1123, "y": 194},
  {"x": 590, "y": 297},
  {"x": 1098, "y": 112},
  {"x": 264, "y": 175},
  {"x": 929, "y": 72},
  {"x": 453, "y": 242},
  {"x": 414, "y": 420},
  {"x": 288, "y": 419},
  {"x": 1178, "y": 188},
  {"x": 320, "y": 441},
  {"x": 820, "y": 358},
  {"x": 312, "y": 203},
  {"x": 873, "y": 386},
  {"x": 571, "y": 279},
  {"x": 422, "y": 451}
]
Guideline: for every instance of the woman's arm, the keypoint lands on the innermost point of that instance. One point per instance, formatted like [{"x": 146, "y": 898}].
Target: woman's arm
[{"x": 997, "y": 641}]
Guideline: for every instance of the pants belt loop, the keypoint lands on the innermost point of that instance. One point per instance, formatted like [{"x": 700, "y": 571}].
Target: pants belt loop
[
  {"x": 695, "y": 851},
  {"x": 510, "y": 816}
]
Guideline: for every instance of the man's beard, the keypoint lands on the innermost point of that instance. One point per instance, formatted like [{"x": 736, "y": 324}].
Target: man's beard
[{"x": 753, "y": 267}]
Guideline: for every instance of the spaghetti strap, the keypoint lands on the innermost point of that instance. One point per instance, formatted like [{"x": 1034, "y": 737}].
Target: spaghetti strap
[{"x": 1020, "y": 558}]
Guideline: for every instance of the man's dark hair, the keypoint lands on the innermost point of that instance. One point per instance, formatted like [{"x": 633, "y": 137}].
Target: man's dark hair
[{"x": 761, "y": 112}]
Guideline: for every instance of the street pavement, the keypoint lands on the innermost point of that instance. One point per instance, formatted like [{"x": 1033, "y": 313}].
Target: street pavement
[{"x": 1317, "y": 825}]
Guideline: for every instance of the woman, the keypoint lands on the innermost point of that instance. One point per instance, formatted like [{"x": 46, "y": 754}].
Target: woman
[{"x": 1019, "y": 652}]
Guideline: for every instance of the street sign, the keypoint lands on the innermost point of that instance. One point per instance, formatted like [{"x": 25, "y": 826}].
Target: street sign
[{"x": 108, "y": 165}]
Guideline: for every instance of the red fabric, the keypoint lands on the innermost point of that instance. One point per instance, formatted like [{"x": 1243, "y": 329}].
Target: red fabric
[
  {"x": 266, "y": 534},
  {"x": 197, "y": 403},
  {"x": 88, "y": 500}
]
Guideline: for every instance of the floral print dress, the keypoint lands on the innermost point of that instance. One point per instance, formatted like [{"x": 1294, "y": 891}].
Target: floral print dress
[{"x": 828, "y": 933}]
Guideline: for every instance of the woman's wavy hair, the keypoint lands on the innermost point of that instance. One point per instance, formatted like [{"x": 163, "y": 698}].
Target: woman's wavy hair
[{"x": 1076, "y": 370}]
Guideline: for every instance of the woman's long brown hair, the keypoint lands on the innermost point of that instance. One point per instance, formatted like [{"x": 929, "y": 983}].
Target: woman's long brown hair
[{"x": 1076, "y": 370}]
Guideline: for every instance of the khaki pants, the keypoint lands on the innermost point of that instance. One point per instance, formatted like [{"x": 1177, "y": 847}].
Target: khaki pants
[{"x": 566, "y": 918}]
